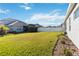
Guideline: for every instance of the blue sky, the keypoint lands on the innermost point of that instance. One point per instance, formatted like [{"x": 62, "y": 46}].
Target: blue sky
[{"x": 36, "y": 13}]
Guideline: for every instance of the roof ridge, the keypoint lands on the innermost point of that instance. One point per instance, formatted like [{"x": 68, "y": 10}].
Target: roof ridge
[{"x": 11, "y": 22}]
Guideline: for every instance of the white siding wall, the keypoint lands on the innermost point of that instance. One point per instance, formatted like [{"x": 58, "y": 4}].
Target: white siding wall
[
  {"x": 17, "y": 29},
  {"x": 74, "y": 33},
  {"x": 41, "y": 29}
]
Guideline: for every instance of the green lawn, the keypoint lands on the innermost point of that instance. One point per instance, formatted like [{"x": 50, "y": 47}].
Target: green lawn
[{"x": 30, "y": 44}]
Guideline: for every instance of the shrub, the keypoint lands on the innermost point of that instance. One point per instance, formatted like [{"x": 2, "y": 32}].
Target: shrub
[
  {"x": 4, "y": 27},
  {"x": 63, "y": 42},
  {"x": 67, "y": 52},
  {"x": 3, "y": 30}
]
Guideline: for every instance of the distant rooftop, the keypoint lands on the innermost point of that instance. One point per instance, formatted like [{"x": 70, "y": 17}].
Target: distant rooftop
[{"x": 8, "y": 21}]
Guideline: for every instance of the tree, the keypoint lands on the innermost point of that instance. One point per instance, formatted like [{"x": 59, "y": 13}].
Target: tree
[{"x": 3, "y": 30}]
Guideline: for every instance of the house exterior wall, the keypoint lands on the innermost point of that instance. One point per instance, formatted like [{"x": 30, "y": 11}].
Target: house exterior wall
[
  {"x": 16, "y": 29},
  {"x": 73, "y": 33},
  {"x": 17, "y": 26},
  {"x": 58, "y": 29}
]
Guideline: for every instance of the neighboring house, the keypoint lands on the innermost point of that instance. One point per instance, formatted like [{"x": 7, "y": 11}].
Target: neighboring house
[
  {"x": 32, "y": 28},
  {"x": 49, "y": 26},
  {"x": 38, "y": 25},
  {"x": 59, "y": 28},
  {"x": 14, "y": 25},
  {"x": 72, "y": 23}
]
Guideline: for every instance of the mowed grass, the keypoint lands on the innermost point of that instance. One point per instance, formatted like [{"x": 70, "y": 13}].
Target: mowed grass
[{"x": 28, "y": 44}]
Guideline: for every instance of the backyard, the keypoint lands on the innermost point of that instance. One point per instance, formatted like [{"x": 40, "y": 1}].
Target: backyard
[{"x": 28, "y": 44}]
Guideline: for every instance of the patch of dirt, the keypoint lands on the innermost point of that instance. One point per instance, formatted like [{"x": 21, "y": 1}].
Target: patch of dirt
[{"x": 63, "y": 44}]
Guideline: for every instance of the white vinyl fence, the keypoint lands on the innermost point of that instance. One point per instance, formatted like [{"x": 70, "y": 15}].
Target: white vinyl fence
[{"x": 41, "y": 29}]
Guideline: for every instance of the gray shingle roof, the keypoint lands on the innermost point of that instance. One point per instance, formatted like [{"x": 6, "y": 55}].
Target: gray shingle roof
[{"x": 8, "y": 21}]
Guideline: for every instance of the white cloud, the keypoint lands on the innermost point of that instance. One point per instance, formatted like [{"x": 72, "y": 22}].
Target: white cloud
[
  {"x": 57, "y": 11},
  {"x": 26, "y": 6},
  {"x": 4, "y": 11},
  {"x": 52, "y": 18},
  {"x": 41, "y": 17}
]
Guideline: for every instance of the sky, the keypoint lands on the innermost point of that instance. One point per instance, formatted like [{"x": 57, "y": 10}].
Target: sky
[{"x": 46, "y": 14}]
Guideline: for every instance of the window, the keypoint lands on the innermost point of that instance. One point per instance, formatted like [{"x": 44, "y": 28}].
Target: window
[
  {"x": 18, "y": 28},
  {"x": 69, "y": 24},
  {"x": 76, "y": 13}
]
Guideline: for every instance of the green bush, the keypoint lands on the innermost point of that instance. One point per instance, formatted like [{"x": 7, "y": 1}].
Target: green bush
[
  {"x": 4, "y": 27},
  {"x": 67, "y": 52},
  {"x": 3, "y": 30}
]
